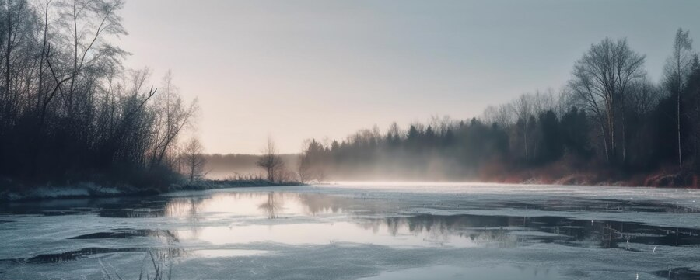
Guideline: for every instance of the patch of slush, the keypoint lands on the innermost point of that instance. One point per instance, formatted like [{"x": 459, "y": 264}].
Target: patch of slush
[
  {"x": 224, "y": 253},
  {"x": 54, "y": 192},
  {"x": 82, "y": 190},
  {"x": 499, "y": 272}
]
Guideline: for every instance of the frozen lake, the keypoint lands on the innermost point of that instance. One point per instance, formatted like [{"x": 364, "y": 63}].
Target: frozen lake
[{"x": 361, "y": 231}]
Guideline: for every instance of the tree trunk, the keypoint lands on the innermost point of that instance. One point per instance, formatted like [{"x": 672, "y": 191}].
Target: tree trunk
[
  {"x": 605, "y": 142},
  {"x": 624, "y": 133},
  {"x": 611, "y": 135},
  {"x": 678, "y": 105},
  {"x": 678, "y": 122},
  {"x": 527, "y": 153},
  {"x": 8, "y": 82}
]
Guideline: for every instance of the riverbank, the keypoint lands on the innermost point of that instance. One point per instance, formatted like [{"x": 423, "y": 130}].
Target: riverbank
[
  {"x": 561, "y": 175},
  {"x": 230, "y": 184},
  {"x": 551, "y": 175},
  {"x": 92, "y": 190}
]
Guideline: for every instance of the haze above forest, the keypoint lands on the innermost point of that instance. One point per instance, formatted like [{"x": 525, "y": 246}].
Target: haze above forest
[{"x": 317, "y": 69}]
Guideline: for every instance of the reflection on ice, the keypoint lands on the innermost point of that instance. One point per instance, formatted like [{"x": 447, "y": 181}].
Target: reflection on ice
[
  {"x": 270, "y": 205},
  {"x": 391, "y": 232},
  {"x": 343, "y": 232},
  {"x": 125, "y": 233},
  {"x": 409, "y": 230},
  {"x": 236, "y": 218}
]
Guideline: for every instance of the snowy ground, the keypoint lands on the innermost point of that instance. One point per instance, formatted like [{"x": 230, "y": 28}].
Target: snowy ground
[{"x": 362, "y": 230}]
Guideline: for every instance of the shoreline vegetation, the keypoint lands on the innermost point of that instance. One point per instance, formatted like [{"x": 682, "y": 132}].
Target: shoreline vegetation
[
  {"x": 664, "y": 178},
  {"x": 668, "y": 179},
  {"x": 91, "y": 190},
  {"x": 70, "y": 111}
]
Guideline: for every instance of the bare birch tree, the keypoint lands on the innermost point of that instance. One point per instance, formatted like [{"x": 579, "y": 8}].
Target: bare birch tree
[
  {"x": 270, "y": 160},
  {"x": 601, "y": 78},
  {"x": 676, "y": 73},
  {"x": 194, "y": 159}
]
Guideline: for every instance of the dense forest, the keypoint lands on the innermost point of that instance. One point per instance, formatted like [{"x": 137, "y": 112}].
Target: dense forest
[
  {"x": 70, "y": 111},
  {"x": 610, "y": 122}
]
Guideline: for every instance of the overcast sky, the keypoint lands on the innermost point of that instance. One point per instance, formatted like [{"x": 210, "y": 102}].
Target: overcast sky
[{"x": 301, "y": 69}]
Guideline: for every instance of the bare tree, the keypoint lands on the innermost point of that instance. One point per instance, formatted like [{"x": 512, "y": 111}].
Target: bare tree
[
  {"x": 270, "y": 160},
  {"x": 677, "y": 70},
  {"x": 503, "y": 115},
  {"x": 523, "y": 109},
  {"x": 643, "y": 97},
  {"x": 172, "y": 115},
  {"x": 68, "y": 108},
  {"x": 194, "y": 159},
  {"x": 304, "y": 164},
  {"x": 601, "y": 78}
]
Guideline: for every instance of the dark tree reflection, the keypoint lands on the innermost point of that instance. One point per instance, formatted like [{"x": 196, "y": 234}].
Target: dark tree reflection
[{"x": 272, "y": 206}]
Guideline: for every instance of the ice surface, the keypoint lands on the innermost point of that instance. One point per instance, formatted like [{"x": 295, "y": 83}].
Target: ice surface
[{"x": 358, "y": 230}]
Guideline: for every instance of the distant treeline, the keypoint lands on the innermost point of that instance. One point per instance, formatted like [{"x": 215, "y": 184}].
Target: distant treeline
[
  {"x": 69, "y": 111},
  {"x": 608, "y": 118},
  {"x": 223, "y": 166}
]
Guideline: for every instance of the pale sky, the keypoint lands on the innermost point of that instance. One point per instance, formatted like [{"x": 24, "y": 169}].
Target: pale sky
[{"x": 301, "y": 69}]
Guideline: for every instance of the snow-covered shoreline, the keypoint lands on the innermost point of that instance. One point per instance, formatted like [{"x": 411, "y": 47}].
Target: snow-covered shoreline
[
  {"x": 93, "y": 190},
  {"x": 81, "y": 190}
]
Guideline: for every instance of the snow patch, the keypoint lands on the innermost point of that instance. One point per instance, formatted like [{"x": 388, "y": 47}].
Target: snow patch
[{"x": 49, "y": 192}]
